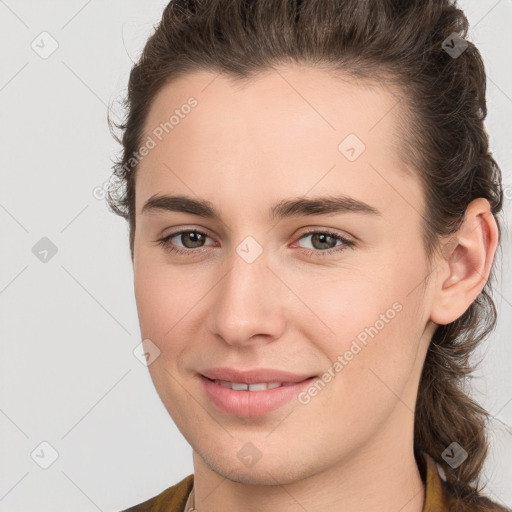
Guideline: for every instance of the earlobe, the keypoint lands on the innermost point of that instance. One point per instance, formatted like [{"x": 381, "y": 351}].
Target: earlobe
[{"x": 465, "y": 263}]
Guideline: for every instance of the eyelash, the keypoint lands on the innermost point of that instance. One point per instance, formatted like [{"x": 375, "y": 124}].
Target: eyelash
[{"x": 166, "y": 244}]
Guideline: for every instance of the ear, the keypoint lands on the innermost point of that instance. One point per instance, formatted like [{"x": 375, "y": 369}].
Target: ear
[{"x": 465, "y": 263}]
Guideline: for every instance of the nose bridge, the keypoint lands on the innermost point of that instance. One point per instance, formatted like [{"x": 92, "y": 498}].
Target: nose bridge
[{"x": 247, "y": 299}]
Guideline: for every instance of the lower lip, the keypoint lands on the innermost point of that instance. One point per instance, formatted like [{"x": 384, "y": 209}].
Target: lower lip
[{"x": 251, "y": 403}]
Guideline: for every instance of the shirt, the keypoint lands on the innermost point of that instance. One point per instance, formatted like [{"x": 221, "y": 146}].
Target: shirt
[{"x": 437, "y": 497}]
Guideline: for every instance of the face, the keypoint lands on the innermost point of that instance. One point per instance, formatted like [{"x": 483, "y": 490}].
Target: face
[{"x": 338, "y": 293}]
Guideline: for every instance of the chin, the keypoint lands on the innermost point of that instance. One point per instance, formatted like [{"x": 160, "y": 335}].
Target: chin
[{"x": 262, "y": 473}]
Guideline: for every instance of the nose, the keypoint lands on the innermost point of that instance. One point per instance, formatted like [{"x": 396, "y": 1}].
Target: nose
[{"x": 250, "y": 303}]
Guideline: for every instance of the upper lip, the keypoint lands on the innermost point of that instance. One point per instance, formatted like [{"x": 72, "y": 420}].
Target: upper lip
[{"x": 257, "y": 375}]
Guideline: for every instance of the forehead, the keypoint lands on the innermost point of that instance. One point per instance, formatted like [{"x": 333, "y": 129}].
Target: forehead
[
  {"x": 285, "y": 96},
  {"x": 289, "y": 128}
]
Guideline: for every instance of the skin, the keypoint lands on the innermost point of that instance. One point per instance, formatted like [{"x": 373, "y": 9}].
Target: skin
[{"x": 245, "y": 147}]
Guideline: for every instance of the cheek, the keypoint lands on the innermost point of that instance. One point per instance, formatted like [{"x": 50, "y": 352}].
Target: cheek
[
  {"x": 343, "y": 305},
  {"x": 163, "y": 300},
  {"x": 163, "y": 297},
  {"x": 372, "y": 356},
  {"x": 370, "y": 324}
]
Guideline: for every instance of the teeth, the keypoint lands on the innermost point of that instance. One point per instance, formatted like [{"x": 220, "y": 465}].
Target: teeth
[
  {"x": 239, "y": 387},
  {"x": 273, "y": 385},
  {"x": 249, "y": 387}
]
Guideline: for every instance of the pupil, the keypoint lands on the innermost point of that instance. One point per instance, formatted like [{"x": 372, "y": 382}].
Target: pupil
[
  {"x": 322, "y": 238},
  {"x": 195, "y": 237}
]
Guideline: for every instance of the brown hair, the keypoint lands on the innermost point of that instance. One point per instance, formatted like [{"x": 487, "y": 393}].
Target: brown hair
[{"x": 397, "y": 43}]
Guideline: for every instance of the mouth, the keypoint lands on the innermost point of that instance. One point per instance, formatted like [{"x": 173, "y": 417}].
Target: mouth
[
  {"x": 251, "y": 400},
  {"x": 258, "y": 386},
  {"x": 239, "y": 377}
]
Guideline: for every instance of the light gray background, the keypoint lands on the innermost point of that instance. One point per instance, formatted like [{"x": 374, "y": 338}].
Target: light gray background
[{"x": 69, "y": 326}]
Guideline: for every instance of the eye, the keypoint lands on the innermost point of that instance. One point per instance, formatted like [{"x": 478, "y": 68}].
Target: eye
[
  {"x": 191, "y": 238},
  {"x": 324, "y": 242}
]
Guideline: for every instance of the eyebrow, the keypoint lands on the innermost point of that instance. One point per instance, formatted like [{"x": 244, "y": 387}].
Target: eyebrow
[{"x": 293, "y": 207}]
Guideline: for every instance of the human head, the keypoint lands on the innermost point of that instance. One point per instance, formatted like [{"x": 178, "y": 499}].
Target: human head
[{"x": 440, "y": 109}]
